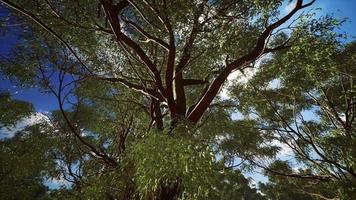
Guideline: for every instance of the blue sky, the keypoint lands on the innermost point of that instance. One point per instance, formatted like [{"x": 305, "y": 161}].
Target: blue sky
[
  {"x": 42, "y": 102},
  {"x": 341, "y": 9}
]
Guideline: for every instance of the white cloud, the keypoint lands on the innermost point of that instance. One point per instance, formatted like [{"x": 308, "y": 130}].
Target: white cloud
[
  {"x": 60, "y": 181},
  {"x": 274, "y": 84},
  {"x": 221, "y": 138},
  {"x": 342, "y": 117},
  {"x": 56, "y": 183},
  {"x": 33, "y": 119},
  {"x": 242, "y": 78},
  {"x": 238, "y": 77},
  {"x": 252, "y": 183},
  {"x": 285, "y": 150}
]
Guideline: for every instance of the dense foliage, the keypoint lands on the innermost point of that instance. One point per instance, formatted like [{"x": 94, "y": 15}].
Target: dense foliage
[{"x": 139, "y": 112}]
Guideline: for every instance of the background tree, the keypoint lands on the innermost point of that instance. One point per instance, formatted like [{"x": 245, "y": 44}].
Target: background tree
[
  {"x": 309, "y": 107},
  {"x": 24, "y": 164}
]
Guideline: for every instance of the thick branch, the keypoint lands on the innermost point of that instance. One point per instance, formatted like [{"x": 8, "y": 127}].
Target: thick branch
[
  {"x": 170, "y": 62},
  {"x": 112, "y": 12},
  {"x": 187, "y": 82},
  {"x": 258, "y": 50},
  {"x": 186, "y": 54}
]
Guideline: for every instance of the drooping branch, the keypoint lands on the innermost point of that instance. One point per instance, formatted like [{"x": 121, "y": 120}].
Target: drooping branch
[
  {"x": 75, "y": 24},
  {"x": 47, "y": 28},
  {"x": 292, "y": 175},
  {"x": 325, "y": 163},
  {"x": 72, "y": 127}
]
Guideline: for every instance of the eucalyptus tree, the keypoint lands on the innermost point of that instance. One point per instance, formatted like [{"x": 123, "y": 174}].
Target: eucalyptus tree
[
  {"x": 24, "y": 165},
  {"x": 133, "y": 80},
  {"x": 308, "y": 106},
  {"x": 166, "y": 43}
]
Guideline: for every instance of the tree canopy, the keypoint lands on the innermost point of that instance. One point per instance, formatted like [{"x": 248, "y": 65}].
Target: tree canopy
[{"x": 140, "y": 115}]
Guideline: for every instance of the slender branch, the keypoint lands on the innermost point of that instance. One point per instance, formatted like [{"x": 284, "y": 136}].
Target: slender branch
[
  {"x": 134, "y": 5},
  {"x": 144, "y": 90},
  {"x": 47, "y": 28},
  {"x": 146, "y": 34},
  {"x": 300, "y": 176},
  {"x": 103, "y": 156}
]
